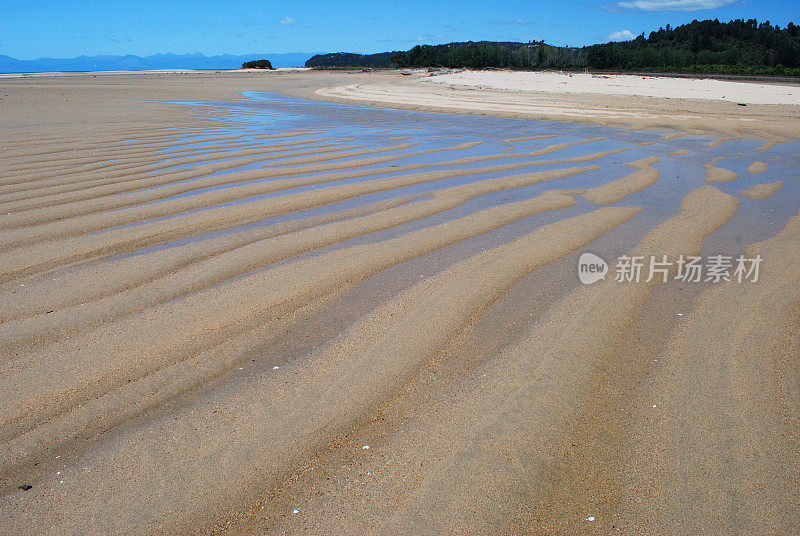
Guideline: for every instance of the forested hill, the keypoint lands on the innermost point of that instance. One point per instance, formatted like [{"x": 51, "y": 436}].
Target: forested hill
[
  {"x": 737, "y": 46},
  {"x": 710, "y": 46},
  {"x": 347, "y": 59}
]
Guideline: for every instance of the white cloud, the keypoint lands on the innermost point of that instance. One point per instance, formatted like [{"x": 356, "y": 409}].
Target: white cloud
[
  {"x": 431, "y": 37},
  {"x": 624, "y": 35},
  {"x": 515, "y": 22},
  {"x": 674, "y": 5},
  {"x": 287, "y": 20}
]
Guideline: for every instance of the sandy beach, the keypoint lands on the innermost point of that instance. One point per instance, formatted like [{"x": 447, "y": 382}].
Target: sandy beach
[
  {"x": 338, "y": 302},
  {"x": 685, "y": 104}
]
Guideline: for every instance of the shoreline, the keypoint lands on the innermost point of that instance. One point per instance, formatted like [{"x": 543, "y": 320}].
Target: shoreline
[
  {"x": 390, "y": 89},
  {"x": 425, "y": 92}
]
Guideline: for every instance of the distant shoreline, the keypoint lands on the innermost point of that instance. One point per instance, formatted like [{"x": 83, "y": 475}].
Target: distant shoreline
[
  {"x": 783, "y": 80},
  {"x": 143, "y": 72}
]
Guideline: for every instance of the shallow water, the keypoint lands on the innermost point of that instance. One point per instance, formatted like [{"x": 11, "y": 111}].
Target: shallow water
[{"x": 271, "y": 113}]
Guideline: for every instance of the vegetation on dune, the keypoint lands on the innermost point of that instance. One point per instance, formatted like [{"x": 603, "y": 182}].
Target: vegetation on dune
[
  {"x": 743, "y": 47},
  {"x": 257, "y": 64},
  {"x": 738, "y": 47},
  {"x": 487, "y": 54},
  {"x": 347, "y": 59}
]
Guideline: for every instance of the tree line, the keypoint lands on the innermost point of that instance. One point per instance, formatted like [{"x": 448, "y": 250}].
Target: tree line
[
  {"x": 739, "y": 46},
  {"x": 709, "y": 46}
]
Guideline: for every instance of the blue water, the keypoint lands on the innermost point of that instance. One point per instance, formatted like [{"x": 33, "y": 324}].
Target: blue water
[{"x": 259, "y": 114}]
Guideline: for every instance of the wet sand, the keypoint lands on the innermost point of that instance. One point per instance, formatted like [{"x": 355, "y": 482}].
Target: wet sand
[{"x": 227, "y": 309}]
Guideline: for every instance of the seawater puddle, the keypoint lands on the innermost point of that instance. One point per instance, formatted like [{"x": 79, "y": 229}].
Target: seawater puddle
[
  {"x": 430, "y": 186},
  {"x": 434, "y": 160},
  {"x": 491, "y": 144},
  {"x": 297, "y": 151},
  {"x": 243, "y": 167},
  {"x": 332, "y": 209},
  {"x": 755, "y": 220}
]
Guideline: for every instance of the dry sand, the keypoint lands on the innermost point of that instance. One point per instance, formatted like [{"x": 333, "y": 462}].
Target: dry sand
[
  {"x": 214, "y": 326},
  {"x": 625, "y": 85},
  {"x": 688, "y": 105}
]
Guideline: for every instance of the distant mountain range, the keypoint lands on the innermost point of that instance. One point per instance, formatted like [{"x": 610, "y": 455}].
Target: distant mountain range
[{"x": 139, "y": 63}]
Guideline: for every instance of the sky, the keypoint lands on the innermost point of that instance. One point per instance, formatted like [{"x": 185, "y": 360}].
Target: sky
[{"x": 63, "y": 29}]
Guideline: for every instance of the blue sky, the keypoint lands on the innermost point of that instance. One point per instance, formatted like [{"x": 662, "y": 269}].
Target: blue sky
[{"x": 33, "y": 29}]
